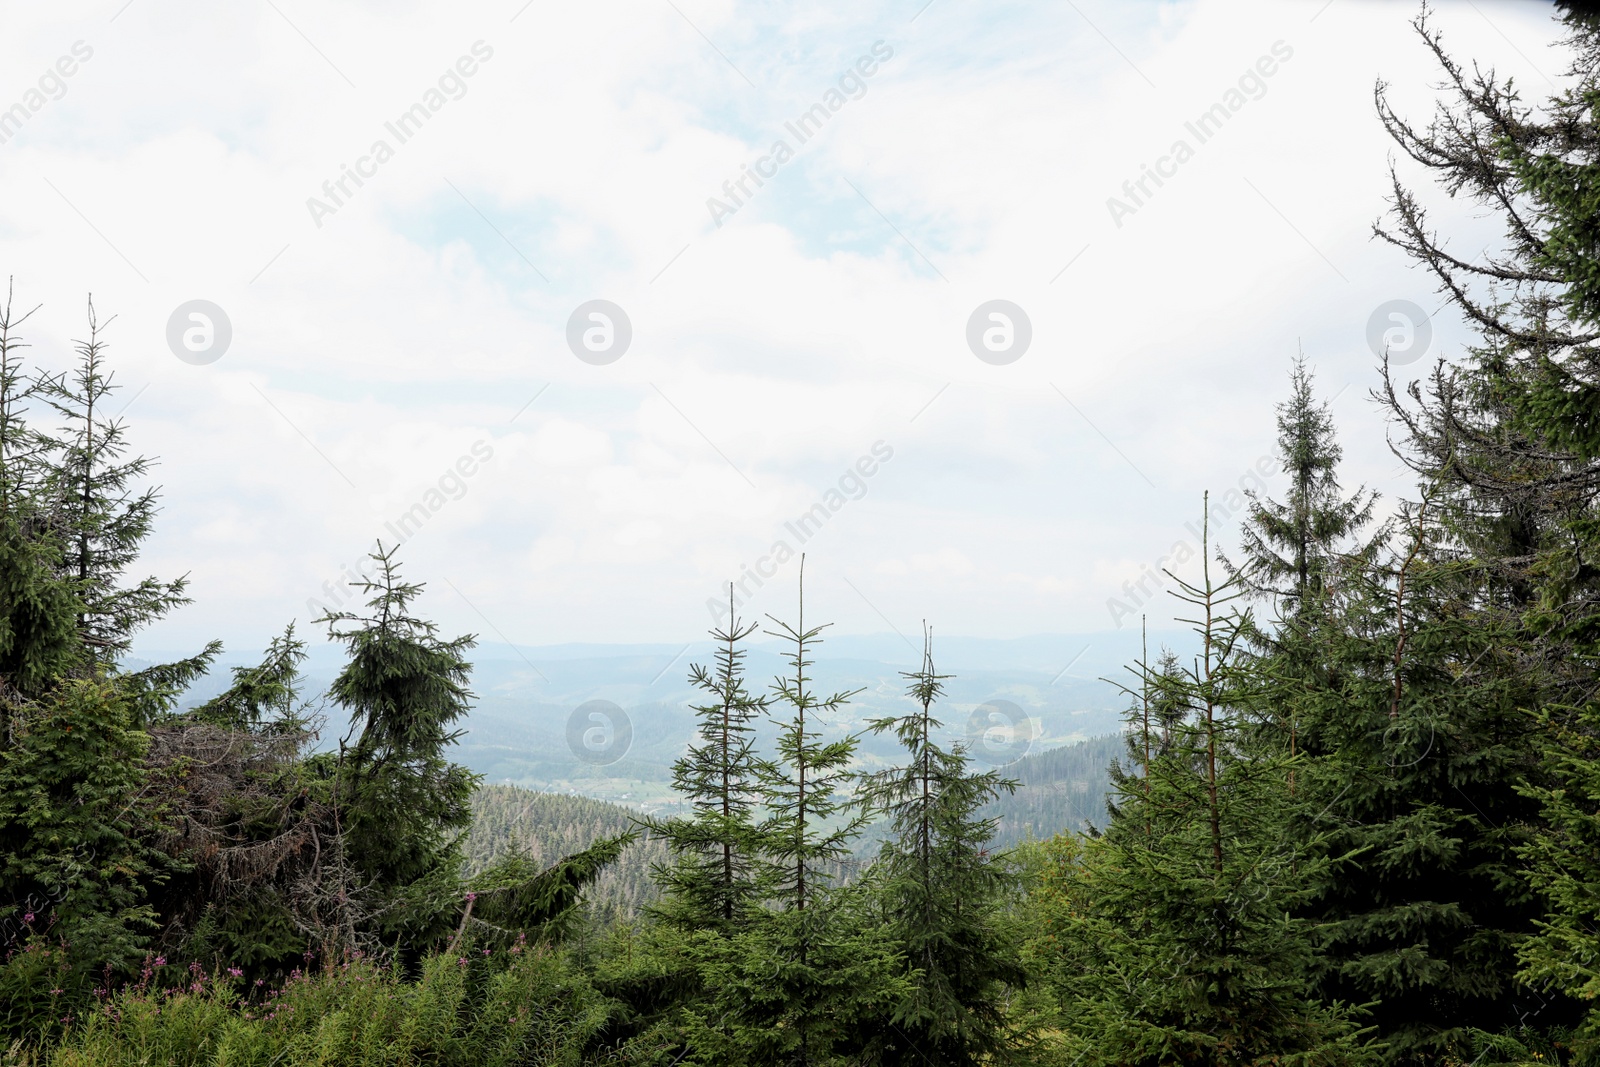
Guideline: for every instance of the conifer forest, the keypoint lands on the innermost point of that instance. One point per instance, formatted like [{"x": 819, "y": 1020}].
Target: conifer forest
[{"x": 1351, "y": 818}]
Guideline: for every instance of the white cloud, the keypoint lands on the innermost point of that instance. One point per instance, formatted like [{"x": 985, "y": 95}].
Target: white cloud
[{"x": 371, "y": 352}]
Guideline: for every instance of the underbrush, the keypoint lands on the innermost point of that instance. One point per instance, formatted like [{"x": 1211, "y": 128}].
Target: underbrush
[{"x": 478, "y": 1007}]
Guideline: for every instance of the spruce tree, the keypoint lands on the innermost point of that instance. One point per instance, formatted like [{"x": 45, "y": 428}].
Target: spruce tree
[
  {"x": 1509, "y": 438},
  {"x": 800, "y": 983},
  {"x": 76, "y": 862},
  {"x": 402, "y": 803},
  {"x": 1563, "y": 866},
  {"x": 1154, "y": 718},
  {"x": 262, "y": 695},
  {"x": 714, "y": 880},
  {"x": 810, "y": 818},
  {"x": 103, "y": 515},
  {"x": 1416, "y": 741},
  {"x": 1177, "y": 941},
  {"x": 943, "y": 894},
  {"x": 1298, "y": 551},
  {"x": 1289, "y": 548},
  {"x": 244, "y": 814},
  {"x": 24, "y": 449},
  {"x": 38, "y": 611}
]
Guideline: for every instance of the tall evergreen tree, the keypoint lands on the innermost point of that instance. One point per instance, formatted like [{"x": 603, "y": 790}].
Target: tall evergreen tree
[
  {"x": 1563, "y": 866},
  {"x": 1289, "y": 547},
  {"x": 24, "y": 449},
  {"x": 1416, "y": 742},
  {"x": 801, "y": 983},
  {"x": 104, "y": 516},
  {"x": 811, "y": 820},
  {"x": 38, "y": 611},
  {"x": 1177, "y": 941},
  {"x": 714, "y": 880},
  {"x": 1510, "y": 438},
  {"x": 403, "y": 804},
  {"x": 943, "y": 893}
]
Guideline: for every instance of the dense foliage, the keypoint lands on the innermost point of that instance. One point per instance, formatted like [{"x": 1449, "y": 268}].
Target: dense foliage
[{"x": 1361, "y": 825}]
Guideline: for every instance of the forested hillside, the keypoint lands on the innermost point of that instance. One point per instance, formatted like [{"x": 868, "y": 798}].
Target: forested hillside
[
  {"x": 1060, "y": 789},
  {"x": 508, "y": 821}
]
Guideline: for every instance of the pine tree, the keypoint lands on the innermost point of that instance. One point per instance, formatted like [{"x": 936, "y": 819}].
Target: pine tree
[
  {"x": 1177, "y": 942},
  {"x": 714, "y": 880},
  {"x": 943, "y": 894},
  {"x": 403, "y": 805}
]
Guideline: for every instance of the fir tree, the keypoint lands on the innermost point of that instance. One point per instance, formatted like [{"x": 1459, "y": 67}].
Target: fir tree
[
  {"x": 243, "y": 813},
  {"x": 24, "y": 450},
  {"x": 817, "y": 986},
  {"x": 515, "y": 896},
  {"x": 1299, "y": 551},
  {"x": 943, "y": 894},
  {"x": 75, "y": 827},
  {"x": 1159, "y": 709},
  {"x": 267, "y": 689},
  {"x": 800, "y": 983},
  {"x": 1509, "y": 440},
  {"x": 803, "y": 789},
  {"x": 1562, "y": 865}
]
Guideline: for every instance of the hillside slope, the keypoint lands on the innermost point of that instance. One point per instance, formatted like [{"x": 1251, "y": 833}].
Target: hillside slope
[
  {"x": 549, "y": 826},
  {"x": 1060, "y": 789}
]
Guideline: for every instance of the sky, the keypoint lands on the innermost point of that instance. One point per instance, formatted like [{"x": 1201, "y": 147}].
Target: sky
[{"x": 818, "y": 342}]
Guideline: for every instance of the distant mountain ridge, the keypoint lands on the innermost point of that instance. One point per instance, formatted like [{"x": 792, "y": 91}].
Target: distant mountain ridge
[{"x": 519, "y": 731}]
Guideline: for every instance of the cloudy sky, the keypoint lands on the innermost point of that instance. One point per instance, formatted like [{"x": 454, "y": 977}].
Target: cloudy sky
[{"x": 785, "y": 336}]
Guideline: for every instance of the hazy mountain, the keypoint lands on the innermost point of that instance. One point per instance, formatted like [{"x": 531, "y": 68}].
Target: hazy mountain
[{"x": 529, "y": 727}]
